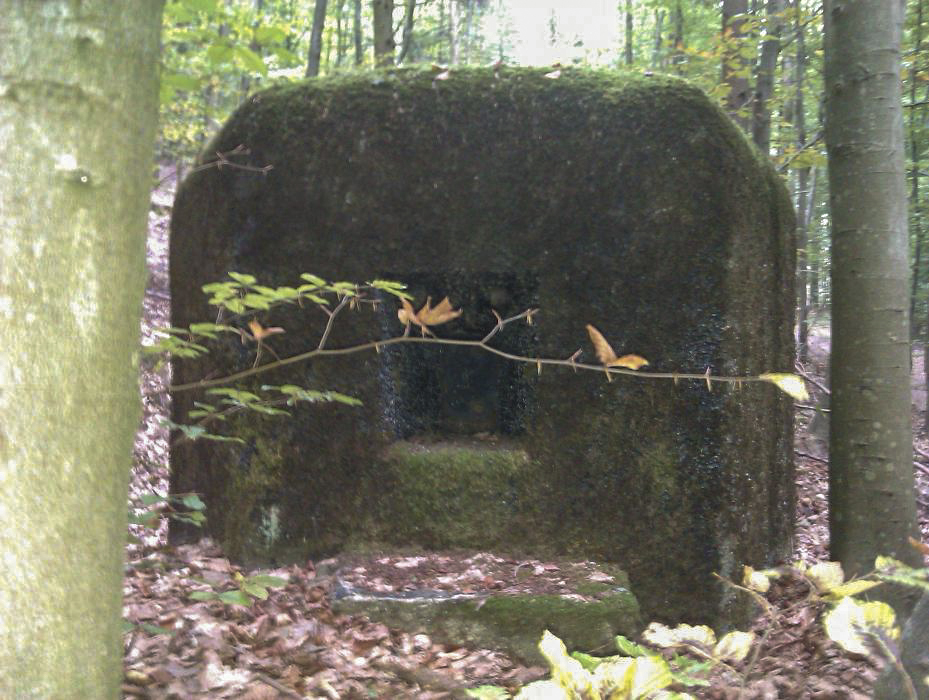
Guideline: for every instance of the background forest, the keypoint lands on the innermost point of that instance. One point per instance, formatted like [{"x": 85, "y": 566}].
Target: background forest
[{"x": 766, "y": 68}]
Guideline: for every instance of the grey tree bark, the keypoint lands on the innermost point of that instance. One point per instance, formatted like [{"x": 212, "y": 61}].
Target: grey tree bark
[
  {"x": 871, "y": 500},
  {"x": 78, "y": 110},
  {"x": 356, "y": 32},
  {"x": 316, "y": 39},
  {"x": 628, "y": 38},
  {"x": 406, "y": 46},
  {"x": 735, "y": 72},
  {"x": 384, "y": 44},
  {"x": 764, "y": 85}
]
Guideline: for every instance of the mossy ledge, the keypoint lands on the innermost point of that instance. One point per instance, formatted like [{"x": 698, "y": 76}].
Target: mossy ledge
[{"x": 629, "y": 202}]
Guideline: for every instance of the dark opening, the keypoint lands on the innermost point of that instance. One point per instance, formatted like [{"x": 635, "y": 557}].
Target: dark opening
[{"x": 440, "y": 391}]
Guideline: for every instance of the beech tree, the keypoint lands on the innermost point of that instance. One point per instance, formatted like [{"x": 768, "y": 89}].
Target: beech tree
[
  {"x": 78, "y": 109},
  {"x": 871, "y": 487}
]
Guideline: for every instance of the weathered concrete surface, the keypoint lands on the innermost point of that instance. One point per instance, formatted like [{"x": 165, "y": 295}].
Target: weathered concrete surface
[{"x": 631, "y": 203}]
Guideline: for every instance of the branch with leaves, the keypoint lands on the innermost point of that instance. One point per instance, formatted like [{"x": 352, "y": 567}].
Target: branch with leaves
[{"x": 243, "y": 298}]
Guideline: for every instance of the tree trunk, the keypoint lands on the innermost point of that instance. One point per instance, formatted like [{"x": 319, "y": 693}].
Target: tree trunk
[
  {"x": 804, "y": 201},
  {"x": 359, "y": 48},
  {"x": 872, "y": 503},
  {"x": 383, "y": 32},
  {"x": 340, "y": 44},
  {"x": 914, "y": 657},
  {"x": 452, "y": 34},
  {"x": 677, "y": 53},
  {"x": 316, "y": 39},
  {"x": 407, "y": 44},
  {"x": 79, "y": 110},
  {"x": 657, "y": 53},
  {"x": 629, "y": 35},
  {"x": 764, "y": 86},
  {"x": 736, "y": 67}
]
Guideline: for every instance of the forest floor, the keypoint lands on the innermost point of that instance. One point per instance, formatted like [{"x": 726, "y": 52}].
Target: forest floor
[{"x": 292, "y": 645}]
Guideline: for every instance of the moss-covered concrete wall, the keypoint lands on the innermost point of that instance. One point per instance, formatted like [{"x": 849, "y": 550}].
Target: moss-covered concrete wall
[{"x": 631, "y": 203}]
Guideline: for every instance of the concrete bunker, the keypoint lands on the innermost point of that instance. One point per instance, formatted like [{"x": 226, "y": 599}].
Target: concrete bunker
[{"x": 629, "y": 202}]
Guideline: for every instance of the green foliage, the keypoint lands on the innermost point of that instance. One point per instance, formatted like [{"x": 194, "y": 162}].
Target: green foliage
[
  {"x": 168, "y": 505},
  {"x": 248, "y": 589}
]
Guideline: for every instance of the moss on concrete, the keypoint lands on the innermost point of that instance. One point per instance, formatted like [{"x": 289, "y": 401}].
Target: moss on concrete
[
  {"x": 630, "y": 202},
  {"x": 510, "y": 623}
]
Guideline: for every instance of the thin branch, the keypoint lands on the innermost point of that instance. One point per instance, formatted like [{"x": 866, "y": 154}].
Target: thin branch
[
  {"x": 799, "y": 370},
  {"x": 478, "y": 344},
  {"x": 332, "y": 314},
  {"x": 812, "y": 142},
  {"x": 809, "y": 456}
]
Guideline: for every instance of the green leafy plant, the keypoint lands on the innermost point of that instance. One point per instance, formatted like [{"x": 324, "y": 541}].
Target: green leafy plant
[{"x": 247, "y": 590}]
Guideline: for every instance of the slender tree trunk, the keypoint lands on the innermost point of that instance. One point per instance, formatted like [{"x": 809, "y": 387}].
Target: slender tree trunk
[
  {"x": 677, "y": 52},
  {"x": 452, "y": 34},
  {"x": 657, "y": 52},
  {"x": 359, "y": 47},
  {"x": 384, "y": 44},
  {"x": 914, "y": 173},
  {"x": 770, "y": 49},
  {"x": 406, "y": 46},
  {"x": 469, "y": 26},
  {"x": 872, "y": 502},
  {"x": 316, "y": 39},
  {"x": 79, "y": 109},
  {"x": 804, "y": 201},
  {"x": 341, "y": 41},
  {"x": 736, "y": 68},
  {"x": 629, "y": 35}
]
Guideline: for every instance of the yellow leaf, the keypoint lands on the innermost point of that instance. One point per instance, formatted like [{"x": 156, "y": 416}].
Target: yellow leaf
[
  {"x": 851, "y": 588},
  {"x": 850, "y": 623},
  {"x": 788, "y": 383},
  {"x": 566, "y": 672},
  {"x": 755, "y": 580},
  {"x": 665, "y": 637},
  {"x": 826, "y": 575},
  {"x": 734, "y": 646},
  {"x": 543, "y": 690},
  {"x": 651, "y": 673}
]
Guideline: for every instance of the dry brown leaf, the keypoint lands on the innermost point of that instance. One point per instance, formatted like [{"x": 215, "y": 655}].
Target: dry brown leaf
[
  {"x": 607, "y": 355},
  {"x": 259, "y": 333},
  {"x": 629, "y": 362},
  {"x": 428, "y": 315}
]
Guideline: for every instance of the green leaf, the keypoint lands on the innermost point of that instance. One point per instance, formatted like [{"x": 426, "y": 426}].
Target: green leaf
[
  {"x": 150, "y": 499},
  {"x": 256, "y": 301},
  {"x": 268, "y": 580},
  {"x": 629, "y": 648},
  {"x": 588, "y": 662},
  {"x": 235, "y": 598},
  {"x": 259, "y": 592},
  {"x": 251, "y": 60},
  {"x": 219, "y": 54},
  {"x": 313, "y": 279},
  {"x": 192, "y": 501},
  {"x": 179, "y": 81},
  {"x": 243, "y": 278},
  {"x": 203, "y": 595},
  {"x": 270, "y": 35}
]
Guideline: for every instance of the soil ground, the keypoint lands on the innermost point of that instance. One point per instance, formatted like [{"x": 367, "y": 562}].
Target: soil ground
[{"x": 291, "y": 645}]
